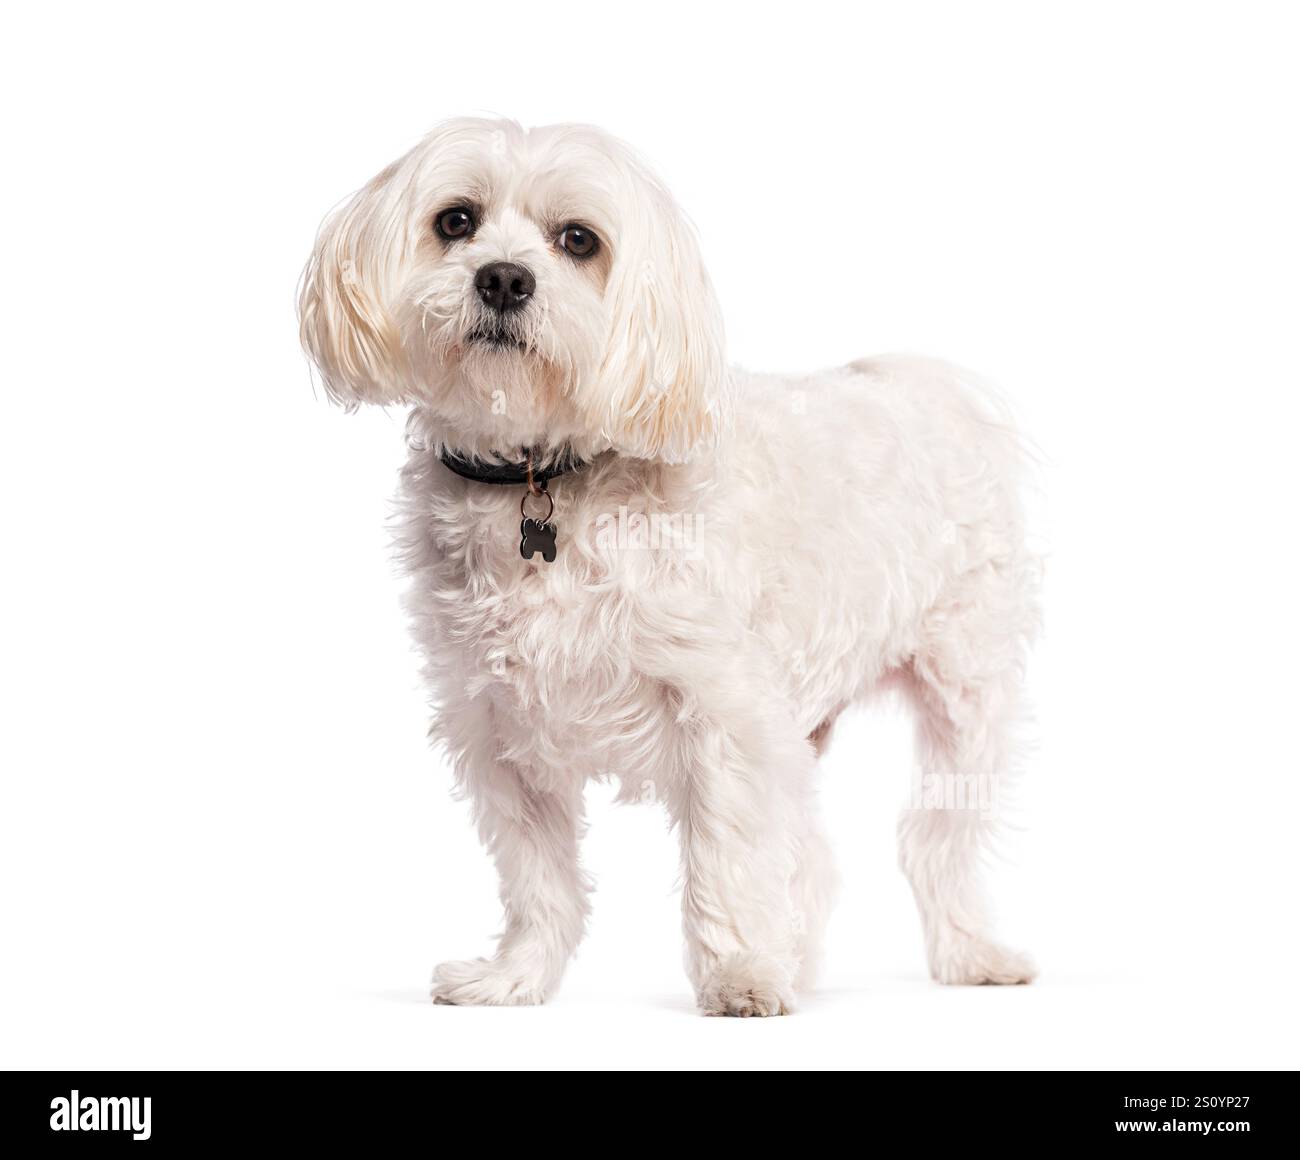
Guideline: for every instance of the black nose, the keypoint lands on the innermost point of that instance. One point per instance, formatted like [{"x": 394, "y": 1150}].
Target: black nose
[{"x": 505, "y": 286}]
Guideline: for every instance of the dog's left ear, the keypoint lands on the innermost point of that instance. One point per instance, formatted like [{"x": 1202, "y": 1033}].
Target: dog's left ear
[{"x": 663, "y": 383}]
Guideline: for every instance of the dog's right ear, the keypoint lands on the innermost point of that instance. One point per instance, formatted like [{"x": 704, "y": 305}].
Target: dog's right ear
[{"x": 345, "y": 324}]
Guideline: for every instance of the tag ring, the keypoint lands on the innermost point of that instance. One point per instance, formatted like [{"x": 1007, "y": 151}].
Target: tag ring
[{"x": 541, "y": 493}]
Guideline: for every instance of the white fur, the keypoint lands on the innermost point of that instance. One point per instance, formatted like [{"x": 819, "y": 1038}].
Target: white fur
[{"x": 849, "y": 530}]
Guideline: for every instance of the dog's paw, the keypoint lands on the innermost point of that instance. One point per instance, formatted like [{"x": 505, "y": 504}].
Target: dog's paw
[
  {"x": 486, "y": 983},
  {"x": 976, "y": 962},
  {"x": 747, "y": 985}
]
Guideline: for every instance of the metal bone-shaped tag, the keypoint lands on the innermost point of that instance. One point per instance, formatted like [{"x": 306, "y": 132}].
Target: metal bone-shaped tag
[
  {"x": 537, "y": 537},
  {"x": 537, "y": 534}
]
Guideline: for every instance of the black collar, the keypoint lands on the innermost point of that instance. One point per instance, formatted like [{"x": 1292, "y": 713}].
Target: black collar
[{"x": 480, "y": 472}]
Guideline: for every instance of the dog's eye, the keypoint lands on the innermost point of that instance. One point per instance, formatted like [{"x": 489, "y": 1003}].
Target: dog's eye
[
  {"x": 454, "y": 223},
  {"x": 578, "y": 241}
]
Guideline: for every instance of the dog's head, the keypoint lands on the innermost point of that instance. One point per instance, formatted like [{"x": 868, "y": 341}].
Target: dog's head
[{"x": 526, "y": 288}]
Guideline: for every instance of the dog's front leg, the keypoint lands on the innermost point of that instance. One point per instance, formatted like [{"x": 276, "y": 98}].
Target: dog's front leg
[
  {"x": 736, "y": 815},
  {"x": 533, "y": 838}
]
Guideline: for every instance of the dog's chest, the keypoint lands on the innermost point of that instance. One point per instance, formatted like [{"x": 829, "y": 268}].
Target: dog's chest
[
  {"x": 551, "y": 646},
  {"x": 571, "y": 655}
]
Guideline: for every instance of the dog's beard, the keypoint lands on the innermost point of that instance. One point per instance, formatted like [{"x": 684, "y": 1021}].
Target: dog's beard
[
  {"x": 499, "y": 377},
  {"x": 491, "y": 389}
]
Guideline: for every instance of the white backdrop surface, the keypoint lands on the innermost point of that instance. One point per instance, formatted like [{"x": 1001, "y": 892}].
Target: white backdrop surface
[{"x": 223, "y": 839}]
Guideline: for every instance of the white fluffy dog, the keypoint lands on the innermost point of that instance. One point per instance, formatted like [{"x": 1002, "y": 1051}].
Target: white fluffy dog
[{"x": 732, "y": 558}]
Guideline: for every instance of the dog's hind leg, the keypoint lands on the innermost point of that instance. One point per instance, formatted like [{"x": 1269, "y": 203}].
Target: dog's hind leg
[
  {"x": 965, "y": 682},
  {"x": 533, "y": 838}
]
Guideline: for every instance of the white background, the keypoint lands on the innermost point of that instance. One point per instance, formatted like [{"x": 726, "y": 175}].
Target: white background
[{"x": 224, "y": 841}]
